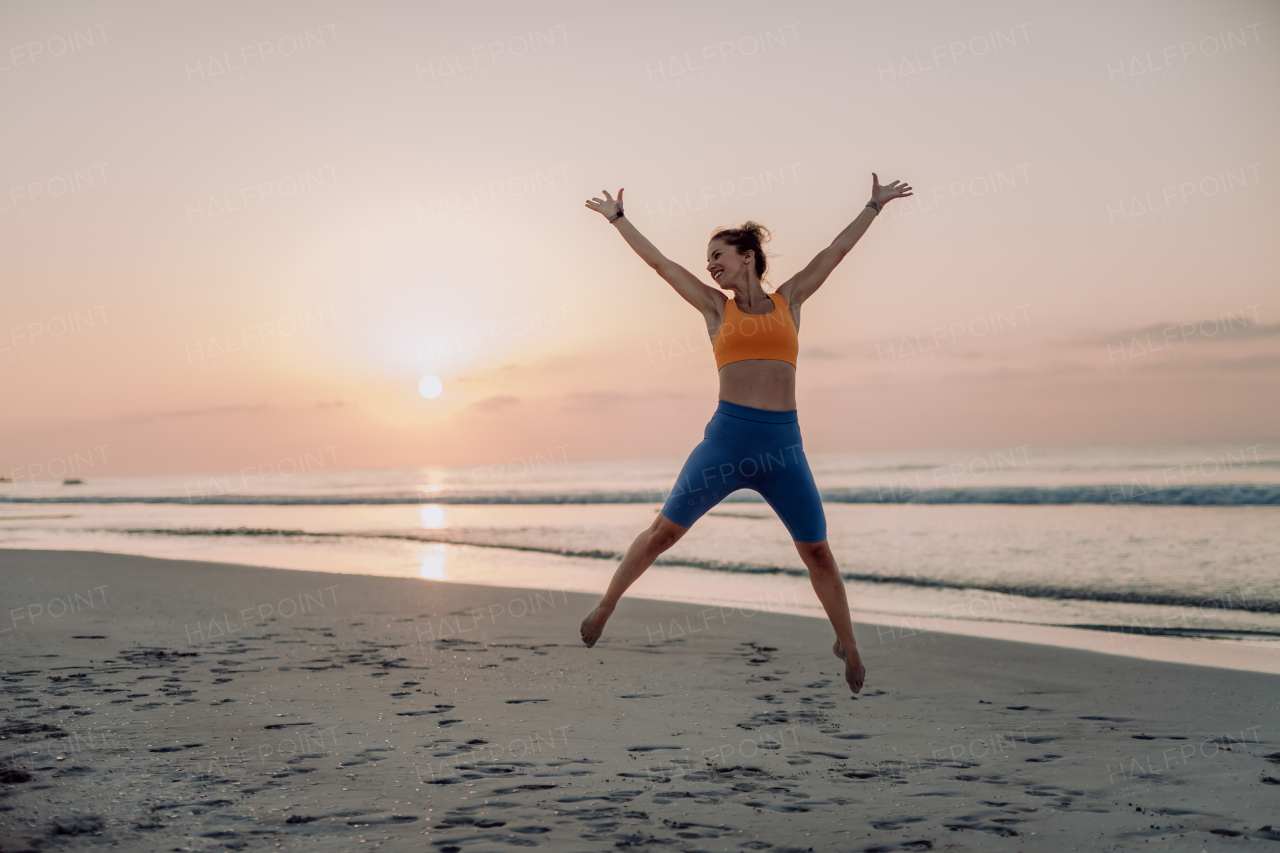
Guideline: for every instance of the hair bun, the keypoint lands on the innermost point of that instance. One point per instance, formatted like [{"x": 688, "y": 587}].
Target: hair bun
[{"x": 762, "y": 233}]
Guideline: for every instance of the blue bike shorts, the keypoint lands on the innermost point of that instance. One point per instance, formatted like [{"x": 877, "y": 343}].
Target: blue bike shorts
[{"x": 748, "y": 448}]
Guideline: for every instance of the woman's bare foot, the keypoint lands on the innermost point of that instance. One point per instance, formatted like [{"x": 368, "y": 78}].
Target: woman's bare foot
[
  {"x": 854, "y": 671},
  {"x": 593, "y": 625}
]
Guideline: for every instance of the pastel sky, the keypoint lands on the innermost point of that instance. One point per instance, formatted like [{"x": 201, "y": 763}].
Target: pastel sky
[{"x": 241, "y": 231}]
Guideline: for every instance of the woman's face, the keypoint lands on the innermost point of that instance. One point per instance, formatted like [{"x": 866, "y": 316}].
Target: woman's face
[{"x": 727, "y": 265}]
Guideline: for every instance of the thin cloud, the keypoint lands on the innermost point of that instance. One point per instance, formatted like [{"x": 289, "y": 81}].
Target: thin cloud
[
  {"x": 579, "y": 401},
  {"x": 1003, "y": 374},
  {"x": 820, "y": 352},
  {"x": 1253, "y": 362},
  {"x": 495, "y": 403},
  {"x": 1200, "y": 366},
  {"x": 594, "y": 400},
  {"x": 1174, "y": 333},
  {"x": 144, "y": 417}
]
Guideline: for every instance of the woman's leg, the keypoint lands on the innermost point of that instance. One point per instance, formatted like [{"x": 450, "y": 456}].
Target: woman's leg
[
  {"x": 709, "y": 474},
  {"x": 660, "y": 536},
  {"x": 824, "y": 574},
  {"x": 790, "y": 489}
]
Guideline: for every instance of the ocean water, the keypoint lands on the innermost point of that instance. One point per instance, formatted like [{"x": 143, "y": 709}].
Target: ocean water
[
  {"x": 1221, "y": 473},
  {"x": 1173, "y": 540}
]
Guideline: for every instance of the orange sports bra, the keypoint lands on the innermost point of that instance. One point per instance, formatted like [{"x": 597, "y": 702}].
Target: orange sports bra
[{"x": 757, "y": 336}]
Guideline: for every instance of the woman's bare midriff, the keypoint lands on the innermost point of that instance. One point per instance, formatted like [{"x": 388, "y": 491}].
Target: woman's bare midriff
[{"x": 759, "y": 383}]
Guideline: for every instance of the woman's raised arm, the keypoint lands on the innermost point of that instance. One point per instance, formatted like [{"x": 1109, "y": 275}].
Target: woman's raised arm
[
  {"x": 694, "y": 292},
  {"x": 801, "y": 286}
]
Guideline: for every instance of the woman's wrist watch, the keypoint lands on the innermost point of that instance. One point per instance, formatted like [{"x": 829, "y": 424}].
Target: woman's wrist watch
[
  {"x": 616, "y": 215},
  {"x": 876, "y": 206}
]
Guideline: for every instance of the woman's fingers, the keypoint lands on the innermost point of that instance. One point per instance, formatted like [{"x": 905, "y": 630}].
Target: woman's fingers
[{"x": 598, "y": 204}]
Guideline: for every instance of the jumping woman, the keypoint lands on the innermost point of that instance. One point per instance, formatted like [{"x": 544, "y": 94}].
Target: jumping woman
[{"x": 753, "y": 439}]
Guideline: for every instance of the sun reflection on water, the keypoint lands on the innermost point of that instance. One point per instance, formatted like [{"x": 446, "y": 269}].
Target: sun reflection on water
[
  {"x": 432, "y": 516},
  {"x": 434, "y": 558}
]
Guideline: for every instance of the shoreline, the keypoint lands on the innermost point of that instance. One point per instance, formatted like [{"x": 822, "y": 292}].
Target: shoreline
[{"x": 789, "y": 595}]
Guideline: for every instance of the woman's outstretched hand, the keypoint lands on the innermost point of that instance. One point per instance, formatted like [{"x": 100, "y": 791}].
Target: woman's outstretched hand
[
  {"x": 882, "y": 195},
  {"x": 607, "y": 206}
]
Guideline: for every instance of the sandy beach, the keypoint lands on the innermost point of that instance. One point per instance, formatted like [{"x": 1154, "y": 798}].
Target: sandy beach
[{"x": 168, "y": 705}]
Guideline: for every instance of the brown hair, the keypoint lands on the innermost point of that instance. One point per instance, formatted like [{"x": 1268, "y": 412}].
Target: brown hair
[{"x": 753, "y": 236}]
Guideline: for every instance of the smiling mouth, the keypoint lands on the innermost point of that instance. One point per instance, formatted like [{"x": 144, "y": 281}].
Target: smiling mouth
[{"x": 716, "y": 275}]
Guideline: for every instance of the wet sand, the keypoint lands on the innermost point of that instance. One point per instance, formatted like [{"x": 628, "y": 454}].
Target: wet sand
[{"x": 162, "y": 705}]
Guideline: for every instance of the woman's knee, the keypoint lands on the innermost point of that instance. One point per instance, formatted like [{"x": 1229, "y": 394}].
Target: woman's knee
[
  {"x": 665, "y": 533},
  {"x": 817, "y": 552}
]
